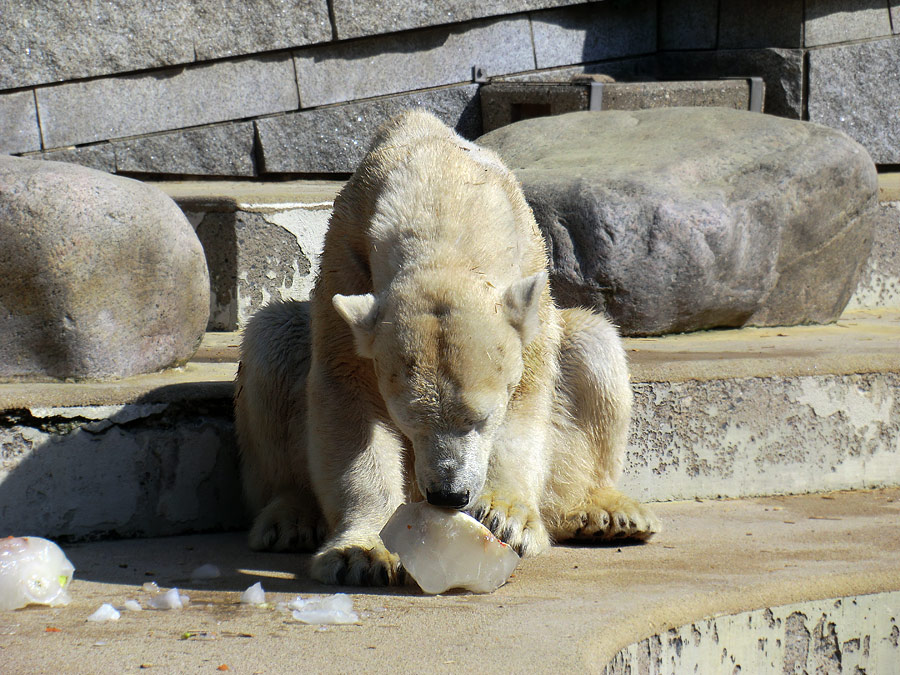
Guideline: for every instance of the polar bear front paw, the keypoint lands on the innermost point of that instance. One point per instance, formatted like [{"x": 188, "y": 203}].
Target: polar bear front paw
[
  {"x": 287, "y": 524},
  {"x": 368, "y": 564},
  {"x": 608, "y": 514},
  {"x": 512, "y": 521}
]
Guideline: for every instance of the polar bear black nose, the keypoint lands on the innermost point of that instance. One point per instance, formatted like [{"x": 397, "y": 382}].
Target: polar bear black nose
[{"x": 447, "y": 499}]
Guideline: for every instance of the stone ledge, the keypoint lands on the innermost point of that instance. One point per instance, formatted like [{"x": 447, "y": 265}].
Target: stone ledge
[{"x": 571, "y": 609}]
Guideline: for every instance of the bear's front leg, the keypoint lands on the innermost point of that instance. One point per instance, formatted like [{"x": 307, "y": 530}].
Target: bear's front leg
[
  {"x": 509, "y": 505},
  {"x": 356, "y": 470}
]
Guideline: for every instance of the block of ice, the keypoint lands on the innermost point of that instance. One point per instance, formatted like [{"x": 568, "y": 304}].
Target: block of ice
[
  {"x": 443, "y": 549},
  {"x": 254, "y": 595},
  {"x": 133, "y": 606},
  {"x": 33, "y": 571},
  {"x": 171, "y": 599},
  {"x": 331, "y": 609},
  {"x": 106, "y": 612}
]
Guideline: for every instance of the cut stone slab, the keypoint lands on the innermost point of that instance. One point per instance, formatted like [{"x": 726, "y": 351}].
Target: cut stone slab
[
  {"x": 18, "y": 123},
  {"x": 681, "y": 219},
  {"x": 853, "y": 88},
  {"x": 100, "y": 276},
  {"x": 831, "y": 21}
]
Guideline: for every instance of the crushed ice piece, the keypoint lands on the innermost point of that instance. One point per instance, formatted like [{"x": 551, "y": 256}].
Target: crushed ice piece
[
  {"x": 204, "y": 572},
  {"x": 331, "y": 609},
  {"x": 133, "y": 606},
  {"x": 443, "y": 549},
  {"x": 33, "y": 571},
  {"x": 171, "y": 599},
  {"x": 150, "y": 587},
  {"x": 255, "y": 595},
  {"x": 106, "y": 612}
]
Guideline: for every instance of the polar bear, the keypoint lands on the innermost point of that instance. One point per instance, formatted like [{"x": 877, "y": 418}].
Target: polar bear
[{"x": 431, "y": 363}]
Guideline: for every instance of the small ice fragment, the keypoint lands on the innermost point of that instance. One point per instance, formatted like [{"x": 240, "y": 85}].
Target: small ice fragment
[
  {"x": 106, "y": 612},
  {"x": 206, "y": 571},
  {"x": 33, "y": 571},
  {"x": 255, "y": 595},
  {"x": 443, "y": 549},
  {"x": 331, "y": 609},
  {"x": 133, "y": 606},
  {"x": 168, "y": 600},
  {"x": 150, "y": 587}
]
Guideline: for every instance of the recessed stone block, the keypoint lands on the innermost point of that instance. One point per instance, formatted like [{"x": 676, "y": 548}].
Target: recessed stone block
[
  {"x": 682, "y": 219},
  {"x": 392, "y": 64},
  {"x": 100, "y": 276},
  {"x": 856, "y": 88},
  {"x": 116, "y": 107},
  {"x": 688, "y": 24},
  {"x": 749, "y": 24},
  {"x": 100, "y": 156},
  {"x": 335, "y": 139},
  {"x": 607, "y": 30}
]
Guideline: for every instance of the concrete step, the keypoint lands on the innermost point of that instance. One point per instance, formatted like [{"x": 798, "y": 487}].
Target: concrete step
[
  {"x": 262, "y": 241},
  {"x": 732, "y": 413},
  {"x": 757, "y": 585}
]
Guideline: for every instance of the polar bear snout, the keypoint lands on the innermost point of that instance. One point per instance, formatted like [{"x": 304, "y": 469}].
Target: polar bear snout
[{"x": 445, "y": 496}]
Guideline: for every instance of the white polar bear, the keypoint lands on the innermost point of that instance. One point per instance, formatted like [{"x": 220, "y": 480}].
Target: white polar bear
[{"x": 440, "y": 368}]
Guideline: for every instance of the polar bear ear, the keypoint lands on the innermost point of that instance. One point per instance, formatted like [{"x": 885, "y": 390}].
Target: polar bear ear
[
  {"x": 360, "y": 312},
  {"x": 521, "y": 301}
]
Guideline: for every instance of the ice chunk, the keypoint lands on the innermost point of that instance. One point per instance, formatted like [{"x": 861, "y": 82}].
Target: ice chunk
[
  {"x": 33, "y": 571},
  {"x": 133, "y": 606},
  {"x": 171, "y": 599},
  {"x": 443, "y": 549},
  {"x": 206, "y": 571},
  {"x": 331, "y": 609},
  {"x": 150, "y": 587},
  {"x": 106, "y": 612},
  {"x": 255, "y": 595}
]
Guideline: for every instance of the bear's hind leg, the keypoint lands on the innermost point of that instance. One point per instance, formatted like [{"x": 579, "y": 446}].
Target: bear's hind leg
[
  {"x": 289, "y": 522},
  {"x": 592, "y": 411}
]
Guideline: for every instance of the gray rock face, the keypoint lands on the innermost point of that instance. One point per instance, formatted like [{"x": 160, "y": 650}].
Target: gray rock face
[
  {"x": 100, "y": 276},
  {"x": 688, "y": 218}
]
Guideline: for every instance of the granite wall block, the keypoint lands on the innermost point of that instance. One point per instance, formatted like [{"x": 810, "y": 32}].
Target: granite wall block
[
  {"x": 895, "y": 16},
  {"x": 18, "y": 123},
  {"x": 335, "y": 139},
  {"x": 688, "y": 24},
  {"x": 358, "y": 18},
  {"x": 393, "y": 64},
  {"x": 612, "y": 29},
  {"x": 116, "y": 107},
  {"x": 45, "y": 42},
  {"x": 749, "y": 24},
  {"x": 856, "y": 88},
  {"x": 100, "y": 156},
  {"x": 219, "y": 150},
  {"x": 832, "y": 21}
]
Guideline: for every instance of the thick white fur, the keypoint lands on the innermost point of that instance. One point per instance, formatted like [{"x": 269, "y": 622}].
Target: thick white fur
[{"x": 439, "y": 365}]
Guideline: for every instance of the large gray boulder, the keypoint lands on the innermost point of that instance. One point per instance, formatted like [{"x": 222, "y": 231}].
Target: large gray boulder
[
  {"x": 100, "y": 276},
  {"x": 688, "y": 218}
]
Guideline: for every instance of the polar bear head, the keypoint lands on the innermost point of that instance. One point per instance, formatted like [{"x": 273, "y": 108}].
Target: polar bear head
[{"x": 447, "y": 349}]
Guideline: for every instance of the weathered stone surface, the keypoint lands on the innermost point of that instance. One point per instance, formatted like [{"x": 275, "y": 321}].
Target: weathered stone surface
[
  {"x": 748, "y": 24},
  {"x": 626, "y": 70},
  {"x": 115, "y": 107},
  {"x": 100, "y": 156},
  {"x": 18, "y": 123},
  {"x": 388, "y": 65},
  {"x": 100, "y": 276},
  {"x": 219, "y": 150},
  {"x": 830, "y": 21},
  {"x": 44, "y": 42},
  {"x": 688, "y": 24},
  {"x": 687, "y": 218},
  {"x": 608, "y": 30},
  {"x": 782, "y": 70},
  {"x": 334, "y": 140},
  {"x": 855, "y": 88},
  {"x": 358, "y": 18},
  {"x": 879, "y": 284},
  {"x": 895, "y": 16}
]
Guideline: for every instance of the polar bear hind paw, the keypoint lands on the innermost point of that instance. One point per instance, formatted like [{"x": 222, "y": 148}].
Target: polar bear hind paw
[
  {"x": 513, "y": 522},
  {"x": 284, "y": 525},
  {"x": 358, "y": 565}
]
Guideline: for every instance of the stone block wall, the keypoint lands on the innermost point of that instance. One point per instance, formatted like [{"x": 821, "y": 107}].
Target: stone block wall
[{"x": 265, "y": 88}]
